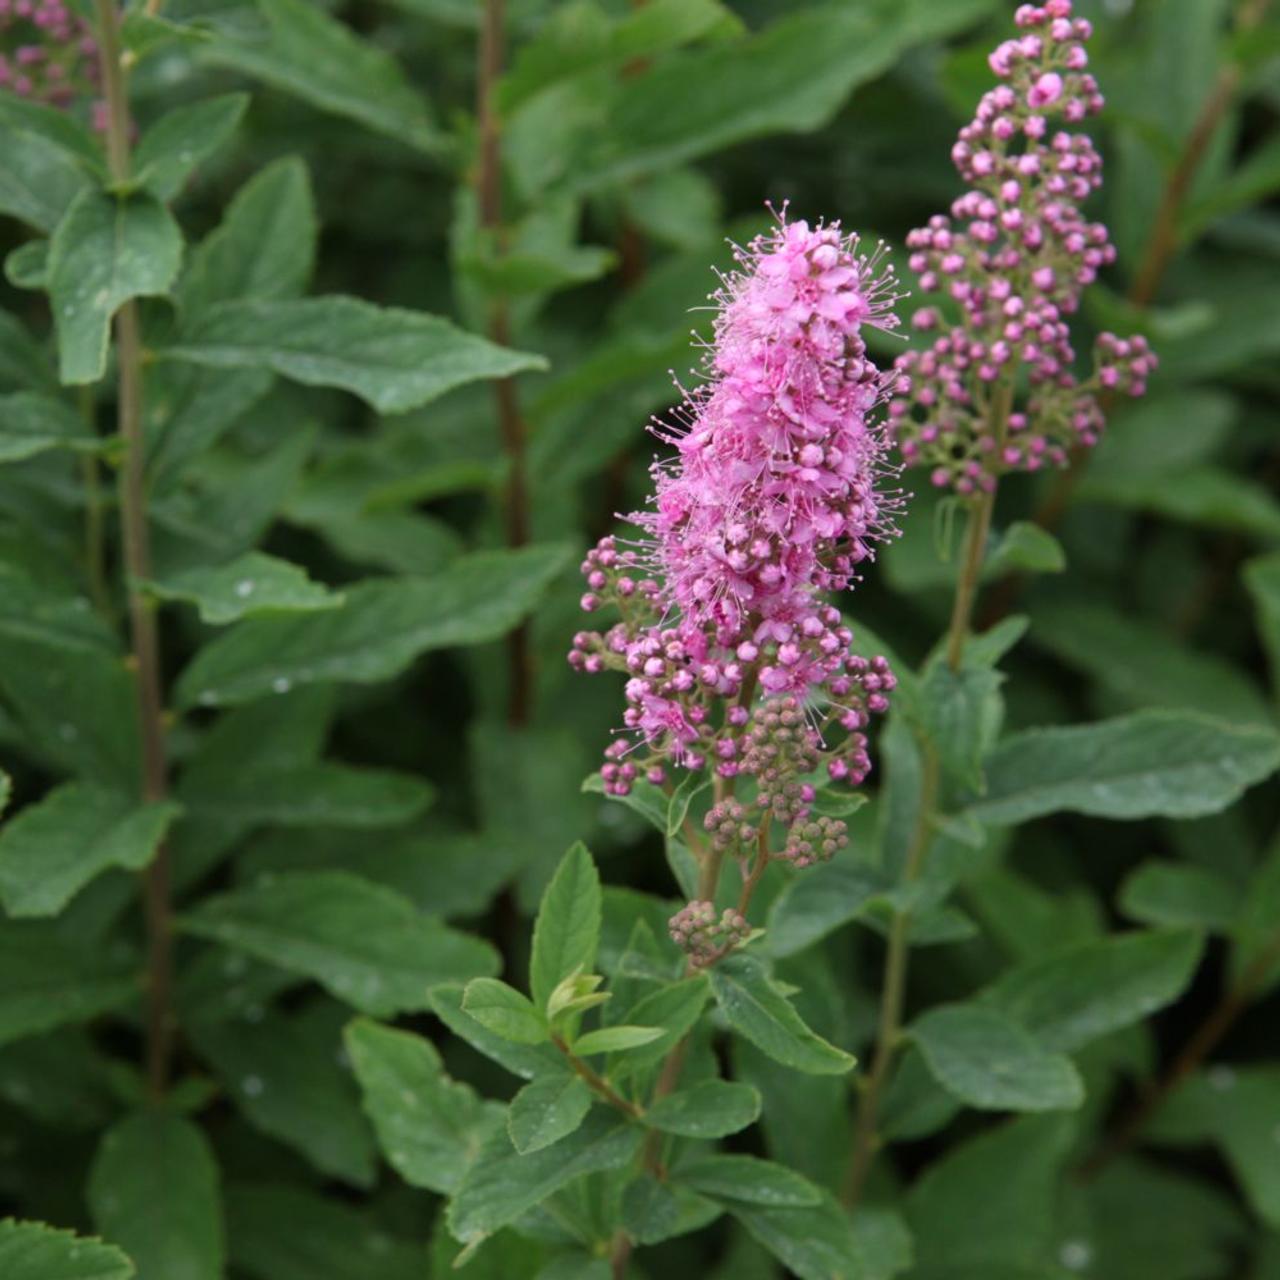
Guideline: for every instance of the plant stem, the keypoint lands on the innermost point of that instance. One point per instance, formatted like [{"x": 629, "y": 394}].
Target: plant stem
[
  {"x": 596, "y": 1082},
  {"x": 511, "y": 423},
  {"x": 866, "y": 1137},
  {"x": 94, "y": 533},
  {"x": 1206, "y": 1037},
  {"x": 137, "y": 567}
]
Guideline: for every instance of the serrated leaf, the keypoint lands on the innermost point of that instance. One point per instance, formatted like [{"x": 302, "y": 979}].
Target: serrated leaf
[
  {"x": 252, "y": 583},
  {"x": 264, "y": 247},
  {"x": 364, "y": 943},
  {"x": 708, "y": 1109},
  {"x": 1170, "y": 763},
  {"x": 38, "y": 181},
  {"x": 34, "y": 1251},
  {"x": 282, "y": 1073},
  {"x": 1180, "y": 895},
  {"x": 394, "y": 359},
  {"x": 182, "y": 139},
  {"x": 382, "y": 626},
  {"x": 548, "y": 1108},
  {"x": 280, "y": 1232},
  {"x": 522, "y": 1060},
  {"x": 747, "y": 1180},
  {"x": 988, "y": 1061},
  {"x": 31, "y": 424},
  {"x": 430, "y": 1127},
  {"x": 567, "y": 930},
  {"x": 504, "y": 1011},
  {"x": 154, "y": 1188},
  {"x": 59, "y": 128},
  {"x": 502, "y": 1184},
  {"x": 46, "y": 981},
  {"x": 320, "y": 60},
  {"x": 615, "y": 1040},
  {"x": 757, "y": 1010},
  {"x": 1081, "y": 992},
  {"x": 53, "y": 848},
  {"x": 105, "y": 251}
]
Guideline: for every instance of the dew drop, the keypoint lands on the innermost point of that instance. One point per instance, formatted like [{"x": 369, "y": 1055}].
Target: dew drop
[
  {"x": 1075, "y": 1255},
  {"x": 252, "y": 1086},
  {"x": 244, "y": 588},
  {"x": 281, "y": 684}
]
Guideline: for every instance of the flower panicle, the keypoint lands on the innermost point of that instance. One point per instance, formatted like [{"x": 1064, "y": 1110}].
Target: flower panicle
[
  {"x": 1011, "y": 262},
  {"x": 48, "y": 54}
]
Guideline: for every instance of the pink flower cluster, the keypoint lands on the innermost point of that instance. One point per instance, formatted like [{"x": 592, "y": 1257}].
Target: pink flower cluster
[
  {"x": 1011, "y": 262},
  {"x": 735, "y": 661},
  {"x": 47, "y": 52}
]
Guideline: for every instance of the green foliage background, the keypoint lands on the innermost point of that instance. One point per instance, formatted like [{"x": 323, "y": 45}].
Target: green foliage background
[{"x": 355, "y": 823}]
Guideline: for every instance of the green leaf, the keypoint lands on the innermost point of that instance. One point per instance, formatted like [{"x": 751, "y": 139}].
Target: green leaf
[
  {"x": 27, "y": 266},
  {"x": 1262, "y": 577},
  {"x": 819, "y": 902},
  {"x": 502, "y": 1184},
  {"x": 1144, "y": 665},
  {"x": 379, "y": 630},
  {"x": 183, "y": 138},
  {"x": 252, "y": 583},
  {"x": 757, "y": 1010},
  {"x": 56, "y": 127},
  {"x": 615, "y": 1040},
  {"x": 430, "y": 1127},
  {"x": 33, "y": 1251},
  {"x": 263, "y": 248},
  {"x": 32, "y": 423},
  {"x": 1024, "y": 548},
  {"x": 522, "y": 1060},
  {"x": 1180, "y": 895},
  {"x": 1173, "y": 764},
  {"x": 814, "y": 1242},
  {"x": 154, "y": 1188},
  {"x": 105, "y": 251},
  {"x": 675, "y": 1008},
  {"x": 504, "y": 1011},
  {"x": 747, "y": 1180},
  {"x": 319, "y": 59},
  {"x": 959, "y": 710},
  {"x": 38, "y": 182},
  {"x": 547, "y": 1109},
  {"x": 1081, "y": 992},
  {"x": 53, "y": 848},
  {"x": 987, "y": 1061},
  {"x": 393, "y": 359},
  {"x": 364, "y": 943},
  {"x": 46, "y": 981},
  {"x": 282, "y": 1073},
  {"x": 24, "y": 366},
  {"x": 567, "y": 930},
  {"x": 708, "y": 1109},
  {"x": 312, "y": 795},
  {"x": 279, "y": 1232}
]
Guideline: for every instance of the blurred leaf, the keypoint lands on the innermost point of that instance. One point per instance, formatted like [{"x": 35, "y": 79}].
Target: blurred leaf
[
  {"x": 280, "y": 1232},
  {"x": 548, "y": 1108},
  {"x": 252, "y": 583},
  {"x": 1166, "y": 431},
  {"x": 567, "y": 931},
  {"x": 1171, "y": 894},
  {"x": 364, "y": 943},
  {"x": 814, "y": 905},
  {"x": 1025, "y": 548},
  {"x": 27, "y": 266},
  {"x": 32, "y": 423},
  {"x": 1076, "y": 994},
  {"x": 56, "y": 128},
  {"x": 989, "y": 1062},
  {"x": 1171, "y": 763},
  {"x": 1262, "y": 577},
  {"x": 382, "y": 626},
  {"x": 708, "y": 1109},
  {"x": 313, "y": 56},
  {"x": 393, "y": 359},
  {"x": 154, "y": 1188},
  {"x": 53, "y": 848},
  {"x": 756, "y": 1009},
  {"x": 46, "y": 981},
  {"x": 1257, "y": 178},
  {"x": 959, "y": 711},
  {"x": 283, "y": 1072},
  {"x": 182, "y": 139},
  {"x": 105, "y": 251},
  {"x": 34, "y": 1251},
  {"x": 430, "y": 1127},
  {"x": 502, "y": 1184}
]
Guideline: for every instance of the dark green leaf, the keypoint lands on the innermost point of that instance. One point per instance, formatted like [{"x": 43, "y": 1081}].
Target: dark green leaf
[
  {"x": 173, "y": 148},
  {"x": 252, "y": 583},
  {"x": 31, "y": 424},
  {"x": 548, "y": 1108},
  {"x": 567, "y": 931},
  {"x": 709, "y": 1109},
  {"x": 33, "y": 1251},
  {"x": 1170, "y": 893}
]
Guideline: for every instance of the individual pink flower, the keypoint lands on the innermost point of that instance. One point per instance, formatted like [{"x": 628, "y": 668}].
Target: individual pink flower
[{"x": 1011, "y": 263}]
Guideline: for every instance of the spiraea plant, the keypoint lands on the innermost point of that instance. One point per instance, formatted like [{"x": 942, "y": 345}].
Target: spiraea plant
[{"x": 921, "y": 910}]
